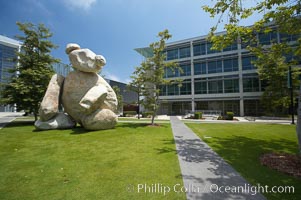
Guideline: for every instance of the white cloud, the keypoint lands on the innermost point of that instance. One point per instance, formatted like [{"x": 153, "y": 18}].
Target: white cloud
[
  {"x": 79, "y": 4},
  {"x": 37, "y": 5}
]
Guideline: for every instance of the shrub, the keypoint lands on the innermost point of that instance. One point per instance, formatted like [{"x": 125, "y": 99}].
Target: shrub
[
  {"x": 198, "y": 115},
  {"x": 230, "y": 115},
  {"x": 147, "y": 114},
  {"x": 129, "y": 113},
  {"x": 220, "y": 118}
]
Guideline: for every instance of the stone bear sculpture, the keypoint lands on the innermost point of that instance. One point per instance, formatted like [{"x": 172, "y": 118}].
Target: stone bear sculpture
[{"x": 85, "y": 96}]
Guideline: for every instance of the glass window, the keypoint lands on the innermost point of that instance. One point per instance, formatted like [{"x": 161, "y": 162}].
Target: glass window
[
  {"x": 172, "y": 54},
  {"x": 288, "y": 38},
  {"x": 185, "y": 52},
  {"x": 267, "y": 38},
  {"x": 163, "y": 90},
  {"x": 200, "y": 87},
  {"x": 200, "y": 68},
  {"x": 199, "y": 49},
  {"x": 196, "y": 49},
  {"x": 250, "y": 83},
  {"x": 231, "y": 86},
  {"x": 215, "y": 66},
  {"x": 231, "y": 65},
  {"x": 186, "y": 87},
  {"x": 172, "y": 89},
  {"x": 186, "y": 70},
  {"x": 215, "y": 86},
  {"x": 247, "y": 63}
]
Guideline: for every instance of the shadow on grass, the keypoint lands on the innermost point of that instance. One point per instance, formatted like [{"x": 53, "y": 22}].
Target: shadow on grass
[
  {"x": 79, "y": 130},
  {"x": 132, "y": 125},
  {"x": 165, "y": 150}
]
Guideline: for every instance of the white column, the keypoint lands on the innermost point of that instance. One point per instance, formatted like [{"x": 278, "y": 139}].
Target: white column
[
  {"x": 241, "y": 96},
  {"x": 192, "y": 77}
]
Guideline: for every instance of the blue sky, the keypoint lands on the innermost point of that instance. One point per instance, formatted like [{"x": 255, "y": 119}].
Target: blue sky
[{"x": 112, "y": 28}]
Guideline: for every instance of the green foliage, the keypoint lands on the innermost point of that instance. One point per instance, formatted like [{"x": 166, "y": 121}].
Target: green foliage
[
  {"x": 151, "y": 74},
  {"x": 137, "y": 86},
  {"x": 119, "y": 98},
  {"x": 229, "y": 116},
  {"x": 147, "y": 114},
  {"x": 198, "y": 115},
  {"x": 129, "y": 113},
  {"x": 31, "y": 76},
  {"x": 272, "y": 60}
]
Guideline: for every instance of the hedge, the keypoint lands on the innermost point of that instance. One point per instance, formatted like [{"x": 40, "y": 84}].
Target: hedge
[
  {"x": 129, "y": 113},
  {"x": 198, "y": 115},
  {"x": 230, "y": 115}
]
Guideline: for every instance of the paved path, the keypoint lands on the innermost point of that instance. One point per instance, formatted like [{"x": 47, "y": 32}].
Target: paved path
[
  {"x": 6, "y": 117},
  {"x": 203, "y": 169}
]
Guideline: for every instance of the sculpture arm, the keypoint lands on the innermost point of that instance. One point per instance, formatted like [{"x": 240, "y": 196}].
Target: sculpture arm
[{"x": 93, "y": 98}]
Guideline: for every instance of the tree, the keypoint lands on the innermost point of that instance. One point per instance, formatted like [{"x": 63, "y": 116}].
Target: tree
[
  {"x": 136, "y": 85},
  {"x": 273, "y": 60},
  {"x": 119, "y": 98},
  {"x": 32, "y": 74},
  {"x": 151, "y": 74}
]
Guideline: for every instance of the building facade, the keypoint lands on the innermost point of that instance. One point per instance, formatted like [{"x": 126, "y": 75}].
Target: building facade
[
  {"x": 128, "y": 97},
  {"x": 8, "y": 49},
  {"x": 62, "y": 69},
  {"x": 220, "y": 81}
]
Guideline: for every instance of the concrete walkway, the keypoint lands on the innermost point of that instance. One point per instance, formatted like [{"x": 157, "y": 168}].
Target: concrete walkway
[
  {"x": 6, "y": 117},
  {"x": 203, "y": 171}
]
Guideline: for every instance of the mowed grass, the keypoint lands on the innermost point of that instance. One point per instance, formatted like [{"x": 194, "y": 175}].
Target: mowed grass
[
  {"x": 241, "y": 145},
  {"x": 75, "y": 164}
]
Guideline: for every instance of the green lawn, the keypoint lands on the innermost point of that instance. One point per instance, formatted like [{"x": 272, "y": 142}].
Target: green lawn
[
  {"x": 75, "y": 164},
  {"x": 242, "y": 144}
]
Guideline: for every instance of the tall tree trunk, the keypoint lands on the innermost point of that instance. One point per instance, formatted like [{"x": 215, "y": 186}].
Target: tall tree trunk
[
  {"x": 153, "y": 119},
  {"x": 299, "y": 122},
  {"x": 138, "y": 105}
]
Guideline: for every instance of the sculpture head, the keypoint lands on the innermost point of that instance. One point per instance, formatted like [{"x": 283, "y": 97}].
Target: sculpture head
[{"x": 84, "y": 60}]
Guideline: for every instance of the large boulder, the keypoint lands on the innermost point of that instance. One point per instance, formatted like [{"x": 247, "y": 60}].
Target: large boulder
[
  {"x": 60, "y": 121},
  {"x": 50, "y": 103},
  {"x": 84, "y": 93},
  {"x": 100, "y": 119},
  {"x": 86, "y": 61}
]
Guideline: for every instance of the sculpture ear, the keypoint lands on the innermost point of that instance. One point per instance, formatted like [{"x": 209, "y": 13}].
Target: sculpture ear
[
  {"x": 100, "y": 60},
  {"x": 71, "y": 47}
]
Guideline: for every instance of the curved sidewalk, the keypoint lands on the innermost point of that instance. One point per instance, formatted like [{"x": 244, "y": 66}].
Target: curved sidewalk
[{"x": 203, "y": 170}]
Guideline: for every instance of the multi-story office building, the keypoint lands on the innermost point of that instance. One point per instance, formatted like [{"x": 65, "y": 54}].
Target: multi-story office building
[
  {"x": 213, "y": 80},
  {"x": 8, "y": 49}
]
